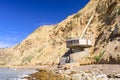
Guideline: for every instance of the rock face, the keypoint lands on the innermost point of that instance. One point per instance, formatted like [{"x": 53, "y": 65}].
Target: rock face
[{"x": 47, "y": 44}]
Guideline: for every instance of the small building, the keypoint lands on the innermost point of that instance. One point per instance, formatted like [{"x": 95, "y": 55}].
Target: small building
[{"x": 77, "y": 49}]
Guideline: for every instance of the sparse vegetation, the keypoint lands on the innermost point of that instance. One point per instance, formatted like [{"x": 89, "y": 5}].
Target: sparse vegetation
[
  {"x": 40, "y": 49},
  {"x": 55, "y": 27},
  {"x": 117, "y": 9},
  {"x": 39, "y": 55},
  {"x": 27, "y": 59},
  {"x": 2, "y": 63},
  {"x": 97, "y": 58},
  {"x": 76, "y": 15}
]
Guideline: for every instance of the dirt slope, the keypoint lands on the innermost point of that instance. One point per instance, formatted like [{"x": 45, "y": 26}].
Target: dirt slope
[{"x": 47, "y": 44}]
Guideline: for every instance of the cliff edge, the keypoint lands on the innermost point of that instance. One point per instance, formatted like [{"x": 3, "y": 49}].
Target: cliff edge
[{"x": 47, "y": 44}]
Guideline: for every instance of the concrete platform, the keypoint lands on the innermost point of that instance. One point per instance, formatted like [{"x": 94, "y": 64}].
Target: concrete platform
[{"x": 80, "y": 42}]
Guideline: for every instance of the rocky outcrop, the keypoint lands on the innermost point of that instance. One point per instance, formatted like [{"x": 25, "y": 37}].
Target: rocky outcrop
[{"x": 86, "y": 72}]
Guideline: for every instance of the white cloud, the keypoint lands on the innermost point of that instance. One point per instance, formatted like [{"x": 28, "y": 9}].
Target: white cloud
[{"x": 5, "y": 44}]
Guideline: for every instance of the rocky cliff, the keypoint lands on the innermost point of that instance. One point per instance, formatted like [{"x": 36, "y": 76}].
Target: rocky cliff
[{"x": 47, "y": 44}]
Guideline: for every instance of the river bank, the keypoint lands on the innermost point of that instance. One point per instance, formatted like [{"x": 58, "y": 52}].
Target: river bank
[{"x": 86, "y": 72}]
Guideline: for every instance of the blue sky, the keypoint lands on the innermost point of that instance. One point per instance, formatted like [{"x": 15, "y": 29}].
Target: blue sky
[{"x": 19, "y": 18}]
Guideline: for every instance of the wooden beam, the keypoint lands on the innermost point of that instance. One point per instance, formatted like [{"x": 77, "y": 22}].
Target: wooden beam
[{"x": 87, "y": 25}]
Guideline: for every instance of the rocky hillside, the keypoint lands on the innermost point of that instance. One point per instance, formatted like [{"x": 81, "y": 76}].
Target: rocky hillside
[{"x": 47, "y": 44}]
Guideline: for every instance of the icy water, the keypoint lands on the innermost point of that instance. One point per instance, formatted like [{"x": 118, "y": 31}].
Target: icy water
[{"x": 14, "y": 74}]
